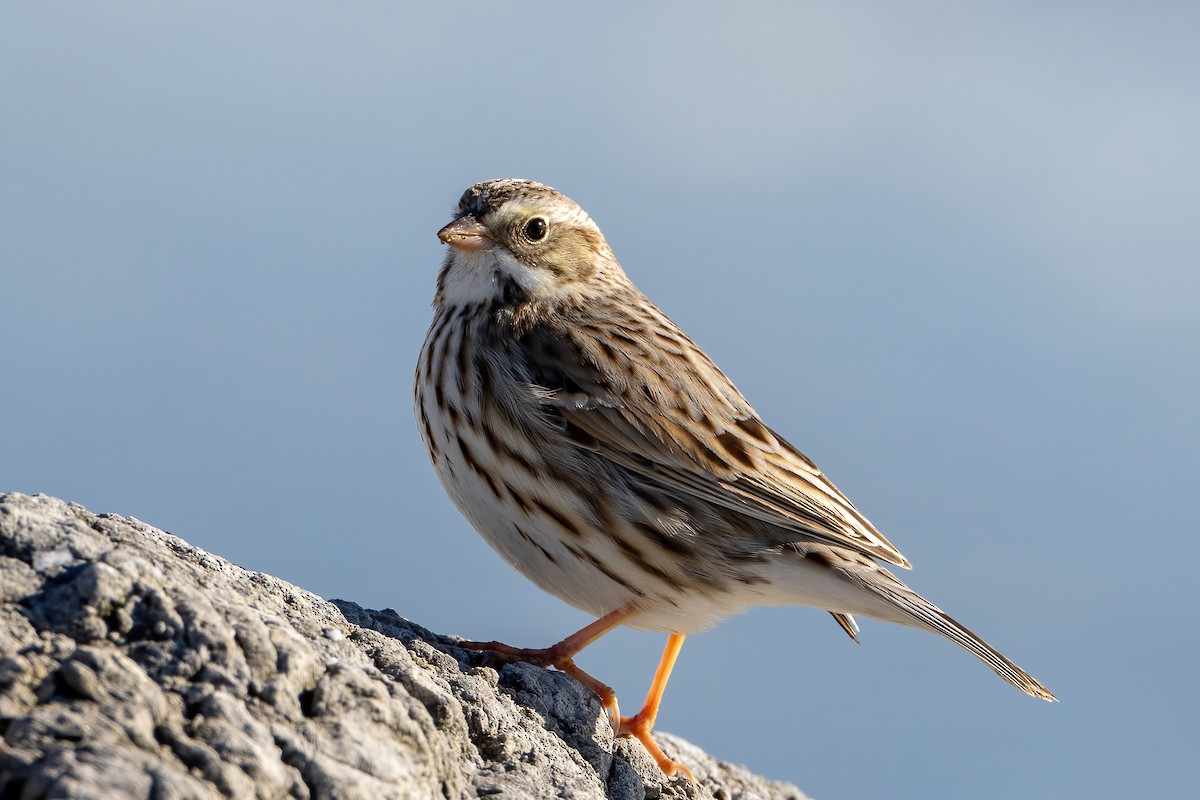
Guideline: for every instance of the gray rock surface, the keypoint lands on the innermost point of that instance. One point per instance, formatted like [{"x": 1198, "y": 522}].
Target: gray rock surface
[{"x": 133, "y": 665}]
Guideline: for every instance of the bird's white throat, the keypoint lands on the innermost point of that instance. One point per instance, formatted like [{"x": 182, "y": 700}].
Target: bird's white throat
[{"x": 480, "y": 276}]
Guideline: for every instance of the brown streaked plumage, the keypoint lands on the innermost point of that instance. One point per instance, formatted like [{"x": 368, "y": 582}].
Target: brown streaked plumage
[{"x": 604, "y": 455}]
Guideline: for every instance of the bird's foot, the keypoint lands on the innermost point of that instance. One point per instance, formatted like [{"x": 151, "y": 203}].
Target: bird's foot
[
  {"x": 639, "y": 726},
  {"x": 558, "y": 657}
]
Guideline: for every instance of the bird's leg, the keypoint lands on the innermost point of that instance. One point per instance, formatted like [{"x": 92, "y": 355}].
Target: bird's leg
[
  {"x": 641, "y": 723},
  {"x": 561, "y": 656}
]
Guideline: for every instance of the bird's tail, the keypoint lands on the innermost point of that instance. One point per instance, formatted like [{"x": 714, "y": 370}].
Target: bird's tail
[{"x": 924, "y": 614}]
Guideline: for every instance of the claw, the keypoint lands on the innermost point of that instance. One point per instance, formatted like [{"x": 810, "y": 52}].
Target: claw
[{"x": 610, "y": 706}]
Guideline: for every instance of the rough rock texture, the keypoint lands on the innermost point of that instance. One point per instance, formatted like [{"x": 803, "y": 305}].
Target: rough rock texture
[{"x": 133, "y": 665}]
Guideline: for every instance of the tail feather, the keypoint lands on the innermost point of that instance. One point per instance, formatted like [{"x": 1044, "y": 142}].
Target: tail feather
[
  {"x": 848, "y": 623},
  {"x": 940, "y": 622},
  {"x": 925, "y": 614}
]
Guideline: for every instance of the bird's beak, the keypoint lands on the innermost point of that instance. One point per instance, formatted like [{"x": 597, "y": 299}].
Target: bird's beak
[{"x": 466, "y": 233}]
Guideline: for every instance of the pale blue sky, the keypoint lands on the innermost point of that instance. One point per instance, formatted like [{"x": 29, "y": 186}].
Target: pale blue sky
[{"x": 949, "y": 250}]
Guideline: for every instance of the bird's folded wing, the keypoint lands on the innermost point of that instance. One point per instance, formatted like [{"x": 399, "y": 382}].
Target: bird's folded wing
[
  {"x": 773, "y": 490},
  {"x": 688, "y": 428}
]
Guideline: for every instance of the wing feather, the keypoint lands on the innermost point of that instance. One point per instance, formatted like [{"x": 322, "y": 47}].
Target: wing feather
[{"x": 668, "y": 413}]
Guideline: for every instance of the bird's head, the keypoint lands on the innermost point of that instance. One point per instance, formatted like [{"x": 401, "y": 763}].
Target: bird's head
[{"x": 515, "y": 241}]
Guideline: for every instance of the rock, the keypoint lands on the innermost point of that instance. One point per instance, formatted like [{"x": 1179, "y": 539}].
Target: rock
[{"x": 133, "y": 665}]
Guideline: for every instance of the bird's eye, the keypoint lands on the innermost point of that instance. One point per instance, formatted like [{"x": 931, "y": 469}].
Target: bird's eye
[{"x": 535, "y": 229}]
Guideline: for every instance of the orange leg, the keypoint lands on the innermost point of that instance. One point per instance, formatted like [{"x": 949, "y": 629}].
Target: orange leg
[
  {"x": 561, "y": 656},
  {"x": 641, "y": 723}
]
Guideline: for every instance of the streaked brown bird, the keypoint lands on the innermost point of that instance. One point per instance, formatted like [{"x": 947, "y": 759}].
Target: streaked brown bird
[{"x": 605, "y": 457}]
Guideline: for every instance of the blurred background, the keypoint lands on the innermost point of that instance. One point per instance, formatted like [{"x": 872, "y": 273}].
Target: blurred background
[{"x": 949, "y": 250}]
